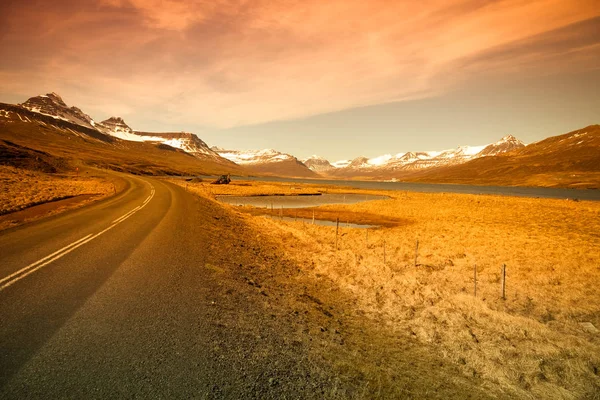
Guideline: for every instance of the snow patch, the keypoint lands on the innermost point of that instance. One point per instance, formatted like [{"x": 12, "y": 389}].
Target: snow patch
[
  {"x": 254, "y": 156},
  {"x": 341, "y": 163},
  {"x": 381, "y": 160}
]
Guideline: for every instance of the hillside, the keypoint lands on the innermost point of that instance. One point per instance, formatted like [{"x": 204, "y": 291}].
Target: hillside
[
  {"x": 569, "y": 160},
  {"x": 37, "y": 141},
  {"x": 268, "y": 162},
  {"x": 289, "y": 168},
  {"x": 318, "y": 164}
]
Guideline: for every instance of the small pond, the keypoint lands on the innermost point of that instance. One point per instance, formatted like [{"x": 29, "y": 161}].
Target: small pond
[{"x": 301, "y": 201}]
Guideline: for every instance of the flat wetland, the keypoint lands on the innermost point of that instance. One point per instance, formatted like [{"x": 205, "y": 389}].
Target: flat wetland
[{"x": 406, "y": 290}]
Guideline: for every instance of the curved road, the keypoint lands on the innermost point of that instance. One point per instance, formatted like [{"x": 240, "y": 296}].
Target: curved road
[{"x": 112, "y": 300}]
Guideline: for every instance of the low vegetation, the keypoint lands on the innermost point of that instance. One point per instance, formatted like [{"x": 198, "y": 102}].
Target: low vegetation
[
  {"x": 25, "y": 188},
  {"x": 541, "y": 341}
]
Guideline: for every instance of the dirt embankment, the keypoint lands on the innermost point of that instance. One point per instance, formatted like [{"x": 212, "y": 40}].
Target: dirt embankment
[{"x": 383, "y": 312}]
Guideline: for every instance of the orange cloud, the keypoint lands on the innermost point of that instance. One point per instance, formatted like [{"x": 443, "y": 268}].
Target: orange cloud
[{"x": 226, "y": 62}]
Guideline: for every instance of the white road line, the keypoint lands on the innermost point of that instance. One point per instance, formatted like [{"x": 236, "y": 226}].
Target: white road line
[
  {"x": 43, "y": 259},
  {"x": 31, "y": 268},
  {"x": 126, "y": 215}
]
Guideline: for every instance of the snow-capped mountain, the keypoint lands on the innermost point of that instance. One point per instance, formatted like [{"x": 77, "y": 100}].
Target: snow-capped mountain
[
  {"x": 115, "y": 126},
  {"x": 317, "y": 164},
  {"x": 422, "y": 160},
  {"x": 52, "y": 105},
  {"x": 504, "y": 145},
  {"x": 267, "y": 161},
  {"x": 186, "y": 141},
  {"x": 571, "y": 159},
  {"x": 244, "y": 157}
]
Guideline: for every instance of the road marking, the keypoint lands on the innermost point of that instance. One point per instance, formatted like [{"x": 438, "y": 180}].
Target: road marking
[
  {"x": 43, "y": 259},
  {"x": 126, "y": 215},
  {"x": 31, "y": 268}
]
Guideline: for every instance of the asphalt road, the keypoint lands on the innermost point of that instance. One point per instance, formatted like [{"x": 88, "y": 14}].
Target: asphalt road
[{"x": 113, "y": 300}]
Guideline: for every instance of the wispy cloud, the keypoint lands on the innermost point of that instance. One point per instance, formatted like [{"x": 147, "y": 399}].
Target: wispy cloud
[{"x": 232, "y": 62}]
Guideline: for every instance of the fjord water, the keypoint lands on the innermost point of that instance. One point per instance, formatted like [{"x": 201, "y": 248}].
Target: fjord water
[{"x": 520, "y": 191}]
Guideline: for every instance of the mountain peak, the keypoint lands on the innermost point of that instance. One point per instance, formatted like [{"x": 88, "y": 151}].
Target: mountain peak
[
  {"x": 117, "y": 120},
  {"x": 504, "y": 145},
  {"x": 509, "y": 139},
  {"x": 317, "y": 164},
  {"x": 255, "y": 156},
  {"x": 52, "y": 97},
  {"x": 55, "y": 97},
  {"x": 115, "y": 125},
  {"x": 53, "y": 105}
]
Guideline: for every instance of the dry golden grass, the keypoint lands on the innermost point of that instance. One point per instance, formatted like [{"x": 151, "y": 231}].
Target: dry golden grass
[
  {"x": 531, "y": 345},
  {"x": 254, "y": 188},
  {"x": 23, "y": 188}
]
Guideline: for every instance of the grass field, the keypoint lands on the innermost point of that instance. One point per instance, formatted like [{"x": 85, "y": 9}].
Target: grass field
[
  {"x": 25, "y": 188},
  {"x": 539, "y": 342}
]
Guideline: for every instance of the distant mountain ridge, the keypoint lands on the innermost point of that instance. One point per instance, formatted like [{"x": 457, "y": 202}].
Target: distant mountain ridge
[
  {"x": 569, "y": 160},
  {"x": 53, "y": 105},
  {"x": 267, "y": 161},
  {"x": 271, "y": 161},
  {"x": 32, "y": 140},
  {"x": 388, "y": 165}
]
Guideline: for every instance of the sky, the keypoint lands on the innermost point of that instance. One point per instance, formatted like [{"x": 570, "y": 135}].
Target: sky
[{"x": 337, "y": 78}]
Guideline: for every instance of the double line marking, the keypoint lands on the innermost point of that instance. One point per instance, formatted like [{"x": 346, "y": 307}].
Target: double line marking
[{"x": 31, "y": 268}]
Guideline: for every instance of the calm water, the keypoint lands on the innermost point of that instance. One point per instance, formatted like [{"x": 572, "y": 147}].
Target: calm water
[
  {"x": 553, "y": 193},
  {"x": 277, "y": 202}
]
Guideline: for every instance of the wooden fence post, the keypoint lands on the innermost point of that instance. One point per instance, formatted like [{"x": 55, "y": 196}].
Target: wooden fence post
[
  {"x": 416, "y": 252},
  {"x": 337, "y": 227},
  {"x": 313, "y": 217},
  {"x": 475, "y": 280},
  {"x": 503, "y": 281}
]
